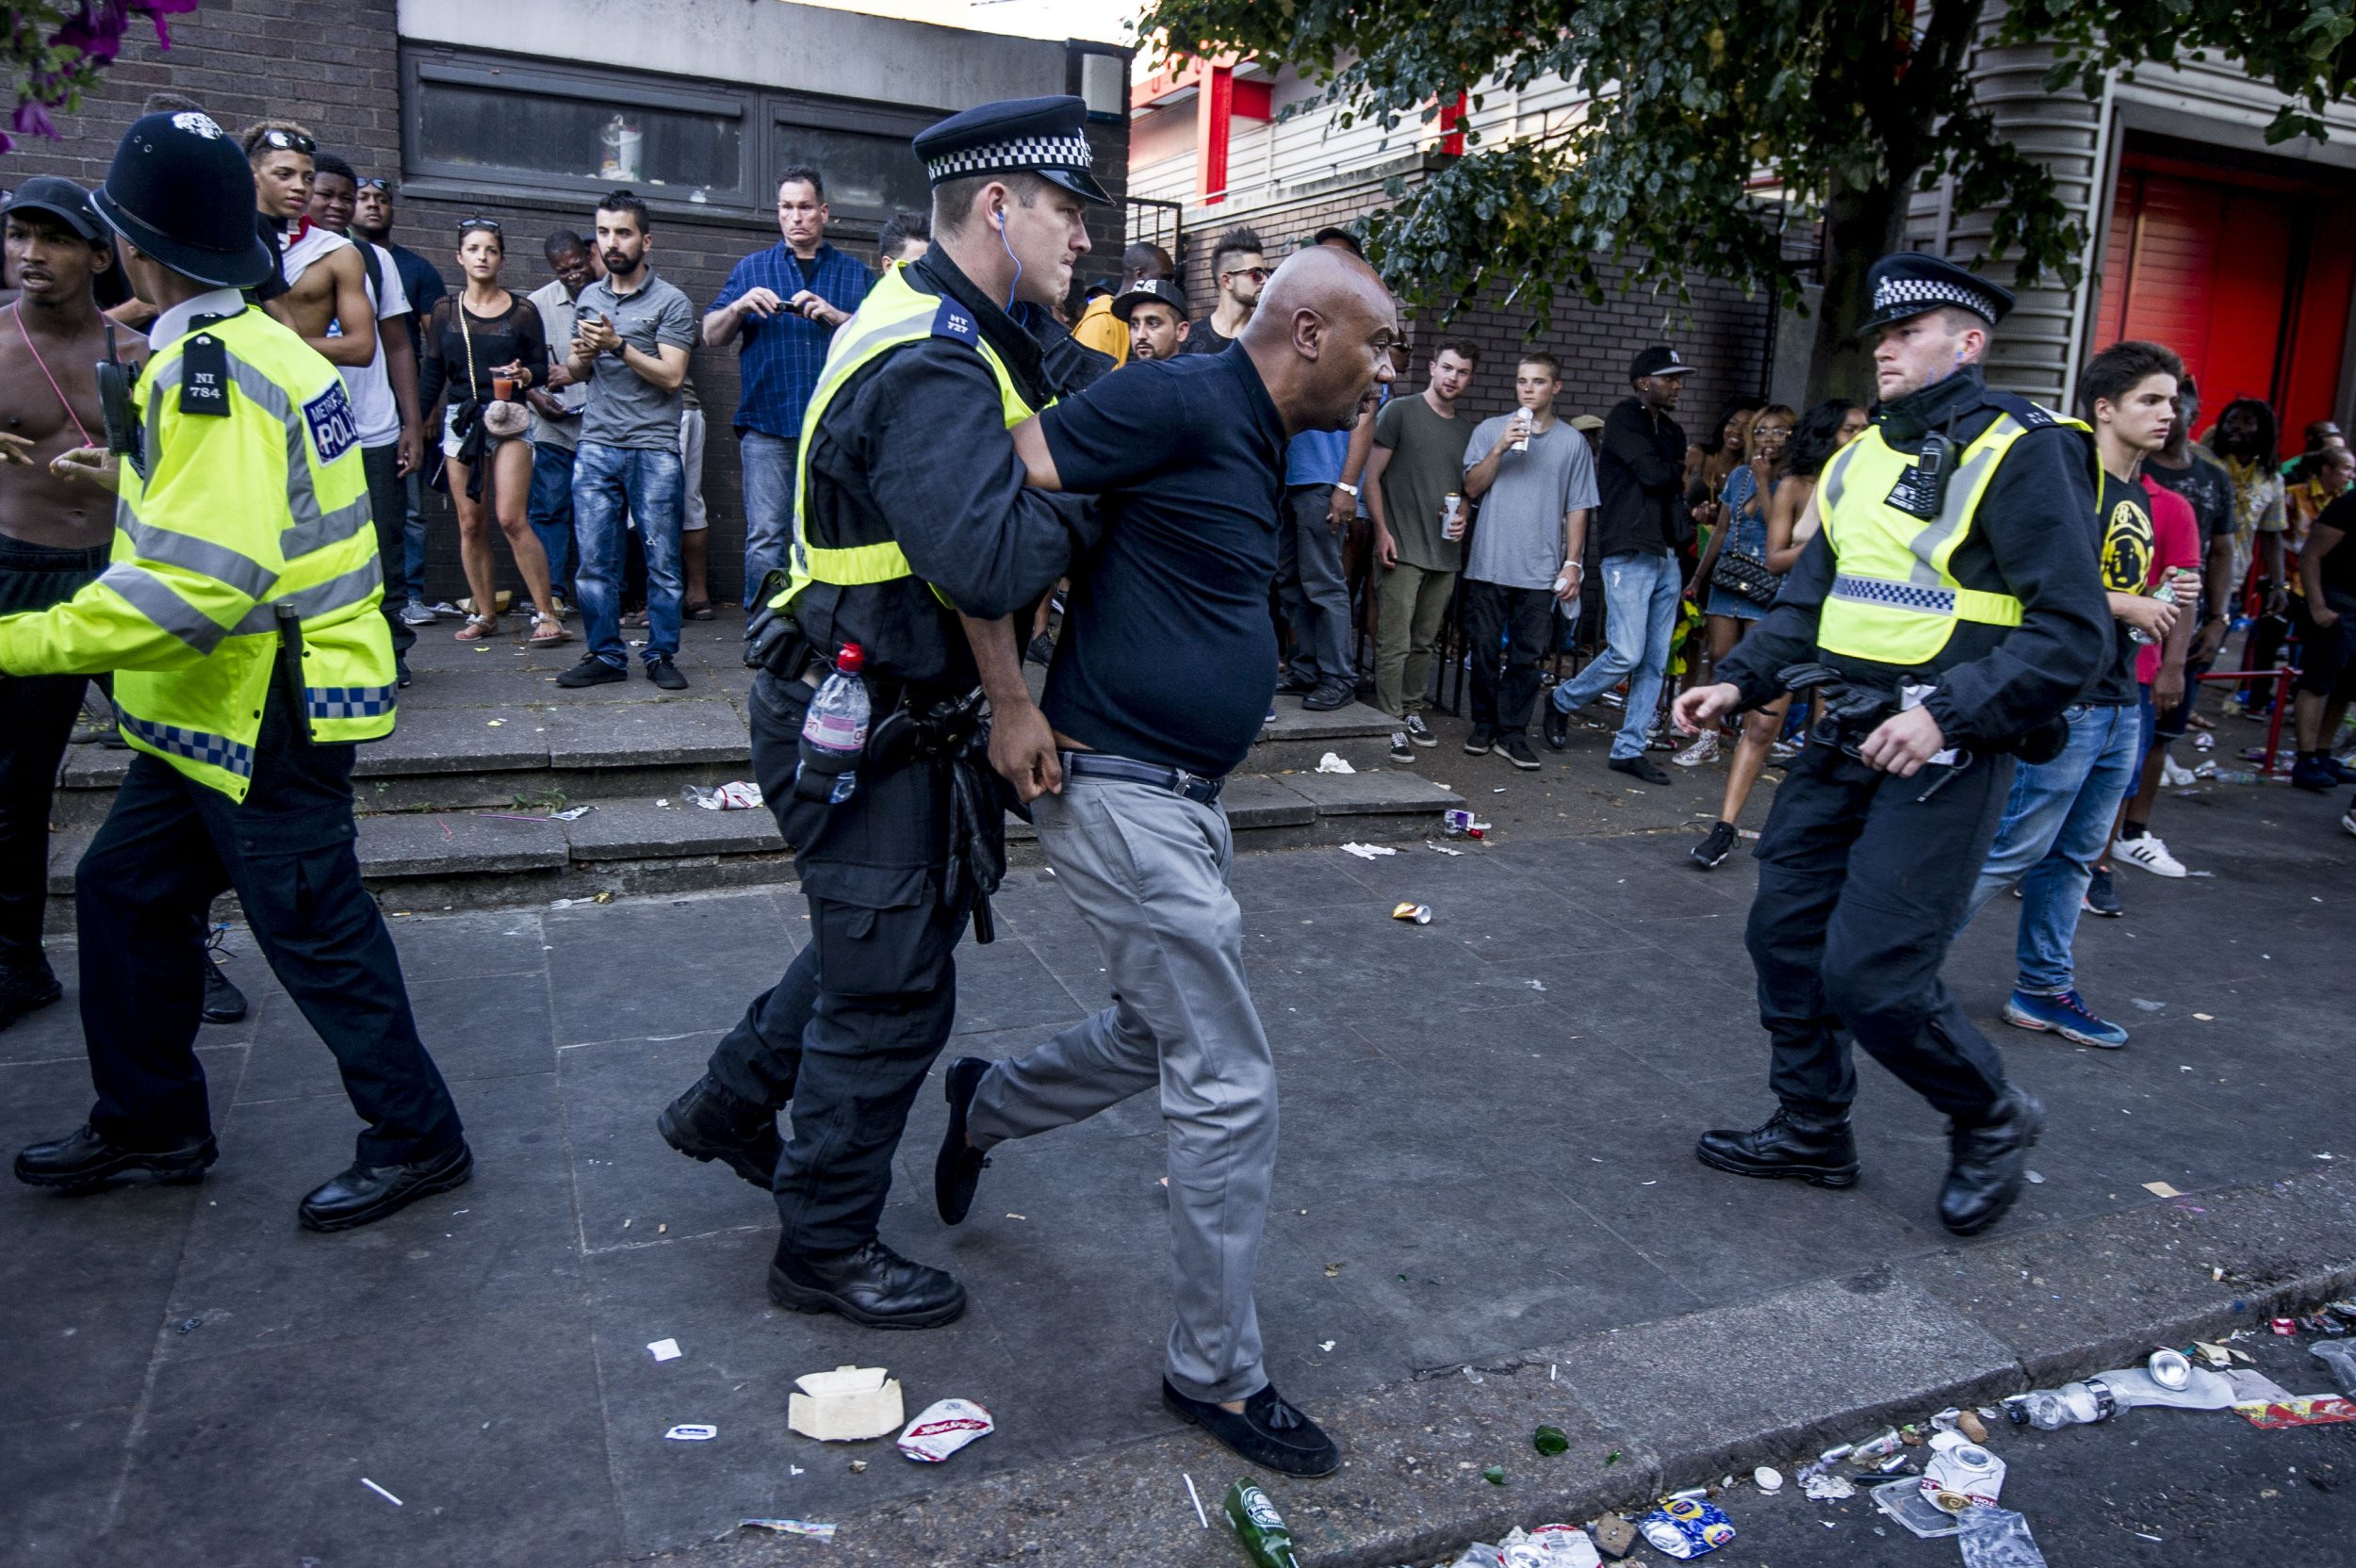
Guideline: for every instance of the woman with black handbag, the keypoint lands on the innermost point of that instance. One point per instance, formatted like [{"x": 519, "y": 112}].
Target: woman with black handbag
[
  {"x": 1828, "y": 427},
  {"x": 1732, "y": 584}
]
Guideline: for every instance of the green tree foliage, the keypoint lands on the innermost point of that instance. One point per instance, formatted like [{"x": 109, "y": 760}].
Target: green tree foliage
[
  {"x": 55, "y": 50},
  {"x": 1832, "y": 110}
]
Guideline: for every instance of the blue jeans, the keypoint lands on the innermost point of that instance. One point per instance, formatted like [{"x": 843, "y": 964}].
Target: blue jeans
[
  {"x": 413, "y": 538},
  {"x": 768, "y": 463},
  {"x": 1640, "y": 594},
  {"x": 550, "y": 510},
  {"x": 2056, "y": 827},
  {"x": 610, "y": 486}
]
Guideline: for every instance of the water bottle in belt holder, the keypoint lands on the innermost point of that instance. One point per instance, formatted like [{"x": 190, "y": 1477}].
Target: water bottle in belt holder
[{"x": 834, "y": 732}]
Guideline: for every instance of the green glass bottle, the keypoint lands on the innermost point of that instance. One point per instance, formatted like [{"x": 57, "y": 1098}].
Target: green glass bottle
[{"x": 1260, "y": 1527}]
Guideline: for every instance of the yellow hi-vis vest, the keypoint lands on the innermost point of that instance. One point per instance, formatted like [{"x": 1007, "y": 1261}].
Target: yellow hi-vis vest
[
  {"x": 893, "y": 316},
  {"x": 1894, "y": 599},
  {"x": 220, "y": 519}
]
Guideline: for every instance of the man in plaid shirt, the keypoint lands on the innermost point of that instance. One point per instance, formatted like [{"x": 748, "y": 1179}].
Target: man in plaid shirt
[{"x": 781, "y": 307}]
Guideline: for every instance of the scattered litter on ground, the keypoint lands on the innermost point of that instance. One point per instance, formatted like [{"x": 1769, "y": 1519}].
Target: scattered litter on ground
[
  {"x": 1196, "y": 1498},
  {"x": 1903, "y": 1501},
  {"x": 1258, "y": 1525},
  {"x": 664, "y": 1349},
  {"x": 2161, "y": 1189},
  {"x": 664, "y": 801},
  {"x": 2341, "y": 1361},
  {"x": 1493, "y": 1475},
  {"x": 1333, "y": 1271},
  {"x": 571, "y": 813},
  {"x": 859, "y": 1467},
  {"x": 2207, "y": 1018},
  {"x": 1961, "y": 1475},
  {"x": 2073, "y": 1403},
  {"x": 1998, "y": 1538},
  {"x": 1441, "y": 849},
  {"x": 574, "y": 903},
  {"x": 2037, "y": 1179},
  {"x": 1550, "y": 1440},
  {"x": 743, "y": 795},
  {"x": 1548, "y": 1547},
  {"x": 2149, "y": 1005},
  {"x": 849, "y": 1404},
  {"x": 382, "y": 1493},
  {"x": 791, "y": 1526},
  {"x": 1768, "y": 1479},
  {"x": 943, "y": 1427},
  {"x": 1614, "y": 1537},
  {"x": 2322, "y": 1410},
  {"x": 1326, "y": 1345},
  {"x": 1415, "y": 914},
  {"x": 1368, "y": 852},
  {"x": 2283, "y": 1327},
  {"x": 1686, "y": 1527},
  {"x": 692, "y": 1432},
  {"x": 1536, "y": 985},
  {"x": 1332, "y": 763},
  {"x": 1825, "y": 1487},
  {"x": 2251, "y": 1386}
]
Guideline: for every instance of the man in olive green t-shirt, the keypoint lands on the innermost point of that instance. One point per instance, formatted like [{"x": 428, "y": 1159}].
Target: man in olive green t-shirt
[{"x": 1418, "y": 459}]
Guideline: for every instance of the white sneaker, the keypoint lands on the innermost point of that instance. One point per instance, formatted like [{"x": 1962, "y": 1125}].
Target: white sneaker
[
  {"x": 2175, "y": 774},
  {"x": 414, "y": 613},
  {"x": 1703, "y": 750},
  {"x": 2149, "y": 853}
]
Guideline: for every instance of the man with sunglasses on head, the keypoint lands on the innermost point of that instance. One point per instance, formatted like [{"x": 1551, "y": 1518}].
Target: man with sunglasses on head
[
  {"x": 1238, "y": 268},
  {"x": 423, "y": 283}
]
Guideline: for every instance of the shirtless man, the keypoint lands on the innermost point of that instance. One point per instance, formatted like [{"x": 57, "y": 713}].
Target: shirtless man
[
  {"x": 54, "y": 531},
  {"x": 325, "y": 282}
]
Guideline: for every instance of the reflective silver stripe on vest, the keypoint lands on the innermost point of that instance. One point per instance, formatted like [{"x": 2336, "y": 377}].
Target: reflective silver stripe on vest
[
  {"x": 1927, "y": 599},
  {"x": 218, "y": 751},
  {"x": 219, "y": 561},
  {"x": 156, "y": 599},
  {"x": 336, "y": 593},
  {"x": 311, "y": 529},
  {"x": 349, "y": 702}
]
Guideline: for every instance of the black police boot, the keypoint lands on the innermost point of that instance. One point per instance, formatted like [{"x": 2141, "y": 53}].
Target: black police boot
[
  {"x": 223, "y": 1001},
  {"x": 1558, "y": 725},
  {"x": 1989, "y": 1164},
  {"x": 364, "y": 1194},
  {"x": 1268, "y": 1431},
  {"x": 709, "y": 1122},
  {"x": 1819, "y": 1149},
  {"x": 27, "y": 988},
  {"x": 957, "y": 1168},
  {"x": 85, "y": 1160},
  {"x": 872, "y": 1286}
]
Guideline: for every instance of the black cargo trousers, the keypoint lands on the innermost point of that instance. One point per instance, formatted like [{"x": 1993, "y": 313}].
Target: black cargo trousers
[{"x": 851, "y": 1031}]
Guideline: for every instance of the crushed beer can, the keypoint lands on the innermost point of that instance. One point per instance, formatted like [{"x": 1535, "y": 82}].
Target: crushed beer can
[
  {"x": 943, "y": 1427},
  {"x": 1962, "y": 1475},
  {"x": 1686, "y": 1527},
  {"x": 2286, "y": 1326},
  {"x": 1420, "y": 913}
]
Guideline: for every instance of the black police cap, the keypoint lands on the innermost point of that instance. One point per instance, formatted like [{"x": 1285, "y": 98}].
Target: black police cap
[
  {"x": 182, "y": 193},
  {"x": 61, "y": 199},
  {"x": 1047, "y": 137},
  {"x": 1150, "y": 291},
  {"x": 1912, "y": 282}
]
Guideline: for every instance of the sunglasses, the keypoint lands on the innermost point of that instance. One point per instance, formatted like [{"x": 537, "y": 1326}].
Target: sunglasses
[
  {"x": 467, "y": 225},
  {"x": 374, "y": 182},
  {"x": 1257, "y": 274},
  {"x": 287, "y": 141}
]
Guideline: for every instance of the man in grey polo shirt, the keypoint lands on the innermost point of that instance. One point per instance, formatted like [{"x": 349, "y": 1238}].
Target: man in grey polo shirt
[{"x": 630, "y": 337}]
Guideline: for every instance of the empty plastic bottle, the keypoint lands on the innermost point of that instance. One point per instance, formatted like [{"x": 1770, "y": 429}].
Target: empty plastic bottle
[
  {"x": 2072, "y": 1404},
  {"x": 836, "y": 726}
]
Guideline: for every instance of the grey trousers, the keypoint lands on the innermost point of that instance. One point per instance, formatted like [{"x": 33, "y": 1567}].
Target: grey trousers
[
  {"x": 1148, "y": 872},
  {"x": 1311, "y": 587}
]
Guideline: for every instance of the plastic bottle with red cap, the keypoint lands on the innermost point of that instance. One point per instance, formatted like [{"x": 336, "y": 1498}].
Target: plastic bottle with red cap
[{"x": 834, "y": 733}]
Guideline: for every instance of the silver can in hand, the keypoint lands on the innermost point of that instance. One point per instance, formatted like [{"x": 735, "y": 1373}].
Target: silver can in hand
[{"x": 1452, "y": 516}]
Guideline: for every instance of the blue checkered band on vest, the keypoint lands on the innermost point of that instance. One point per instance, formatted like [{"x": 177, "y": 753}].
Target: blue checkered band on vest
[
  {"x": 1924, "y": 597},
  {"x": 216, "y": 750},
  {"x": 1922, "y": 294},
  {"x": 1023, "y": 152},
  {"x": 349, "y": 702}
]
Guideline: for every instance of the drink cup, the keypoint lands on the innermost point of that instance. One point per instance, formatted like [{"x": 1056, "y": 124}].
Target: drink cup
[{"x": 504, "y": 388}]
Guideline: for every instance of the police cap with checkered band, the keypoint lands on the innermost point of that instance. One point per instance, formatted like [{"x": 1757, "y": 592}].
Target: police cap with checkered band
[
  {"x": 1910, "y": 283},
  {"x": 1047, "y": 137}
]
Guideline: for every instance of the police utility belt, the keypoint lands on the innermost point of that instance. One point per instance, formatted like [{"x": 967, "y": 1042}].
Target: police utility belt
[{"x": 911, "y": 723}]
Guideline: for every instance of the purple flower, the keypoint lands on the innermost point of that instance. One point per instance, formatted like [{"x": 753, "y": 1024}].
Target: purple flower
[{"x": 32, "y": 118}]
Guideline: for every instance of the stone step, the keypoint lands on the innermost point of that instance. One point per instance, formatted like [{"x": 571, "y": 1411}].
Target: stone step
[{"x": 460, "y": 858}]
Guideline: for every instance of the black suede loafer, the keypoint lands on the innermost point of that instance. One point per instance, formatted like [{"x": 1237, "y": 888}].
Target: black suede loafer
[
  {"x": 957, "y": 1168},
  {"x": 223, "y": 1001},
  {"x": 872, "y": 1286},
  {"x": 28, "y": 989},
  {"x": 84, "y": 1160},
  {"x": 1988, "y": 1165},
  {"x": 1269, "y": 1433},
  {"x": 709, "y": 1122},
  {"x": 365, "y": 1194}
]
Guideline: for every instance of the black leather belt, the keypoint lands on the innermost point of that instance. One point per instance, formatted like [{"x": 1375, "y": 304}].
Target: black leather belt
[{"x": 1096, "y": 764}]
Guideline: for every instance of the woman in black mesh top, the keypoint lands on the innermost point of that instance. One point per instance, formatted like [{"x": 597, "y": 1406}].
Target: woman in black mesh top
[{"x": 483, "y": 337}]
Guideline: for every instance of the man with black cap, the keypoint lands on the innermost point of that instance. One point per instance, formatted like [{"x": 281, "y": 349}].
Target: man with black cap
[
  {"x": 54, "y": 532},
  {"x": 1639, "y": 478},
  {"x": 1949, "y": 610},
  {"x": 911, "y": 516},
  {"x": 239, "y": 615},
  {"x": 1154, "y": 311}
]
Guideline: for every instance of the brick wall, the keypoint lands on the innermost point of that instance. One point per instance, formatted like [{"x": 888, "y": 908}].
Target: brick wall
[
  {"x": 1721, "y": 332},
  {"x": 334, "y": 66}
]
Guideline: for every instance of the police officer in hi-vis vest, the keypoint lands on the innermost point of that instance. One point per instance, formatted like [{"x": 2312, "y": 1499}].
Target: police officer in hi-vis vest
[
  {"x": 909, "y": 513},
  {"x": 239, "y": 613},
  {"x": 1947, "y": 609}
]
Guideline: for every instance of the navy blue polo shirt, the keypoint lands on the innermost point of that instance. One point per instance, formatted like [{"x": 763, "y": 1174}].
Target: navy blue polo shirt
[{"x": 1168, "y": 653}]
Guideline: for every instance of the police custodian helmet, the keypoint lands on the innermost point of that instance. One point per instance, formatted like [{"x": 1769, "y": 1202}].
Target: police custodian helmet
[
  {"x": 1047, "y": 137},
  {"x": 181, "y": 193},
  {"x": 1912, "y": 281}
]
